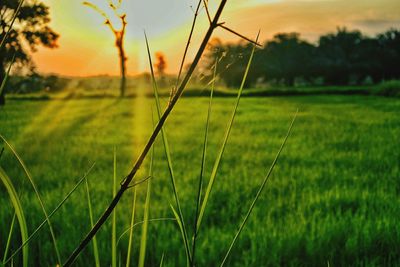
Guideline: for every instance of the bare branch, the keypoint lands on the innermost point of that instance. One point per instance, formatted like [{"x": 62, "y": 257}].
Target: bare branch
[
  {"x": 238, "y": 34},
  {"x": 205, "y": 3}
]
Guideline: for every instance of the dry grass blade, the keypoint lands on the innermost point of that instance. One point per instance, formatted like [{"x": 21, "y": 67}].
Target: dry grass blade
[
  {"x": 259, "y": 191},
  {"x": 95, "y": 247},
  {"x": 203, "y": 162},
  {"x": 3, "y": 41},
  {"x": 22, "y": 247},
  {"x": 19, "y": 213},
  {"x": 222, "y": 149},
  {"x": 240, "y": 35},
  {"x": 29, "y": 176},
  {"x": 169, "y": 160}
]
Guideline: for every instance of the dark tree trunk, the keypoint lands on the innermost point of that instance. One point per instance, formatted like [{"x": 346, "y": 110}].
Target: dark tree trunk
[{"x": 122, "y": 60}]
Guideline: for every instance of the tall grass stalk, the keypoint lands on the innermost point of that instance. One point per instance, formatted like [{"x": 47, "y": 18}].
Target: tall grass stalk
[
  {"x": 222, "y": 149},
  {"x": 29, "y": 176},
  {"x": 143, "y": 239},
  {"x": 9, "y": 238},
  {"x": 25, "y": 242},
  {"x": 179, "y": 218},
  {"x": 203, "y": 162},
  {"x": 114, "y": 216},
  {"x": 95, "y": 247},
  {"x": 4, "y": 81},
  {"x": 19, "y": 213},
  {"x": 128, "y": 256},
  {"x": 128, "y": 179},
  {"x": 3, "y": 41},
  {"x": 264, "y": 182}
]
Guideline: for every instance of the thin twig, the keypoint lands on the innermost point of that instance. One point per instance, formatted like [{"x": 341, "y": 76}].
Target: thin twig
[
  {"x": 151, "y": 140},
  {"x": 238, "y": 34}
]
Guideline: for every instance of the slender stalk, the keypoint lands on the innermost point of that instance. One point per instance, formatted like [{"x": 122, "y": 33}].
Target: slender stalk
[
  {"x": 259, "y": 191},
  {"x": 128, "y": 256},
  {"x": 143, "y": 240},
  {"x": 36, "y": 190},
  {"x": 180, "y": 218},
  {"x": 9, "y": 238},
  {"x": 3, "y": 41},
  {"x": 150, "y": 142},
  {"x": 222, "y": 149},
  {"x": 203, "y": 162},
  {"x": 95, "y": 247},
  {"x": 114, "y": 216},
  {"x": 50, "y": 215}
]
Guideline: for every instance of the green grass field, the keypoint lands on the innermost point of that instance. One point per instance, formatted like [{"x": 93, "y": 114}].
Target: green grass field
[{"x": 333, "y": 197}]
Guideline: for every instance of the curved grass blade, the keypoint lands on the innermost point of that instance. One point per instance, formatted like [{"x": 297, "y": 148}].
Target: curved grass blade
[
  {"x": 18, "y": 211},
  {"x": 266, "y": 178},
  {"x": 3, "y": 41},
  {"x": 142, "y": 222},
  {"x": 203, "y": 162},
  {"x": 162, "y": 260},
  {"x": 169, "y": 160},
  {"x": 9, "y": 238},
  {"x": 128, "y": 256},
  {"x": 22, "y": 247},
  {"x": 143, "y": 239},
  {"x": 222, "y": 149},
  {"x": 95, "y": 247},
  {"x": 29, "y": 176}
]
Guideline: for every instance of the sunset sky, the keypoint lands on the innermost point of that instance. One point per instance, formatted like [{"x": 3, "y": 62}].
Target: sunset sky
[{"x": 86, "y": 45}]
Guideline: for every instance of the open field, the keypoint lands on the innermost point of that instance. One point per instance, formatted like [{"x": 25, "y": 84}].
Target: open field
[{"x": 332, "y": 199}]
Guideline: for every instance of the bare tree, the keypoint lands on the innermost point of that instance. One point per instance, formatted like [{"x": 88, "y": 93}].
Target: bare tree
[{"x": 119, "y": 36}]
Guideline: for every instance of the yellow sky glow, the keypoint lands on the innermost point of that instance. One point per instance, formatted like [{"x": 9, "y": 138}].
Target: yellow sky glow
[{"x": 87, "y": 45}]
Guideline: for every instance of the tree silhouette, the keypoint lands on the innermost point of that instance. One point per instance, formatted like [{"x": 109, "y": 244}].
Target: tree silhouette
[
  {"x": 29, "y": 30},
  {"x": 160, "y": 64},
  {"x": 119, "y": 36}
]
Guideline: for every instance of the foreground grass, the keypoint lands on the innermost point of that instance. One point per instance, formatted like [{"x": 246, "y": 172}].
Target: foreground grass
[{"x": 332, "y": 198}]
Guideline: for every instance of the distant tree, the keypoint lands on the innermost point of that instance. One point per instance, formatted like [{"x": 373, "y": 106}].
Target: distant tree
[
  {"x": 389, "y": 43},
  {"x": 28, "y": 32},
  {"x": 339, "y": 55},
  {"x": 119, "y": 36},
  {"x": 232, "y": 59},
  {"x": 287, "y": 57},
  {"x": 160, "y": 64}
]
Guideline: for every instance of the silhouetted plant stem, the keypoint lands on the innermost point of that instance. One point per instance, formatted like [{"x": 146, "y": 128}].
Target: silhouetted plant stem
[{"x": 139, "y": 162}]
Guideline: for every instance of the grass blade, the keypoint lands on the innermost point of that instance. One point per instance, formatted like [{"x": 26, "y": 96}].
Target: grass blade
[
  {"x": 128, "y": 256},
  {"x": 4, "y": 81},
  {"x": 143, "y": 240},
  {"x": 169, "y": 160},
  {"x": 24, "y": 243},
  {"x": 18, "y": 211},
  {"x": 203, "y": 162},
  {"x": 29, "y": 176},
  {"x": 162, "y": 260},
  {"x": 3, "y": 41},
  {"x": 95, "y": 247},
  {"x": 222, "y": 149},
  {"x": 141, "y": 223},
  {"x": 266, "y": 178},
  {"x": 114, "y": 216},
  {"x": 9, "y": 238}
]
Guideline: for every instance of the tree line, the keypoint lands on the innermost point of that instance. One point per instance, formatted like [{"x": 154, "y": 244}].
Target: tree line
[{"x": 341, "y": 58}]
